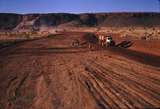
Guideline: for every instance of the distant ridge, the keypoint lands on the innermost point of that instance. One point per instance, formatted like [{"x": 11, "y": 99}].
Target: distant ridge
[{"x": 11, "y": 21}]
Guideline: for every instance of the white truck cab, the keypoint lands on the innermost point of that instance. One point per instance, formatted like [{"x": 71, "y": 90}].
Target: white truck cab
[{"x": 109, "y": 41}]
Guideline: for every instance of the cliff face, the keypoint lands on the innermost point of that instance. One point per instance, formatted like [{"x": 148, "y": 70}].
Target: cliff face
[
  {"x": 36, "y": 21},
  {"x": 9, "y": 21}
]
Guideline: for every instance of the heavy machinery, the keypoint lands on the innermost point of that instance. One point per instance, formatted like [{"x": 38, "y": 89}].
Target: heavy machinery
[
  {"x": 105, "y": 40},
  {"x": 109, "y": 42}
]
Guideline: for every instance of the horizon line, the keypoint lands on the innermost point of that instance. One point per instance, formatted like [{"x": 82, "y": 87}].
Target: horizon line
[{"x": 80, "y": 12}]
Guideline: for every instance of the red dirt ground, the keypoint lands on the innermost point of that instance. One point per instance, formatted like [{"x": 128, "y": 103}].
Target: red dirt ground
[{"x": 50, "y": 74}]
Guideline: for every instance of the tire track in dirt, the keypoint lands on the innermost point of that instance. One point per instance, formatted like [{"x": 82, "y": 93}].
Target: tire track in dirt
[
  {"x": 44, "y": 94},
  {"x": 75, "y": 78},
  {"x": 110, "y": 92},
  {"x": 118, "y": 79},
  {"x": 135, "y": 77},
  {"x": 85, "y": 99},
  {"x": 16, "y": 82},
  {"x": 90, "y": 83},
  {"x": 78, "y": 78}
]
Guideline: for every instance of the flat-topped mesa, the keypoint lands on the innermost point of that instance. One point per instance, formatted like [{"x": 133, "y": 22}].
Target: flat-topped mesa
[{"x": 37, "y": 21}]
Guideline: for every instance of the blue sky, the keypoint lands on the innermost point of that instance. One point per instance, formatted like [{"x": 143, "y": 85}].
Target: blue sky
[{"x": 77, "y": 6}]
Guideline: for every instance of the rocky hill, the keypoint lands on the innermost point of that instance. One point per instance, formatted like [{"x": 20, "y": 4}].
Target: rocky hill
[{"x": 37, "y": 21}]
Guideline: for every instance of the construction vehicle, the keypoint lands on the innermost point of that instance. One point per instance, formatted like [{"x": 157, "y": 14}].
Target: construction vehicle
[
  {"x": 109, "y": 42},
  {"x": 105, "y": 40}
]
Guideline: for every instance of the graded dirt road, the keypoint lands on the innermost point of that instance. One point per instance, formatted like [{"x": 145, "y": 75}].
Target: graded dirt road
[{"x": 50, "y": 74}]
